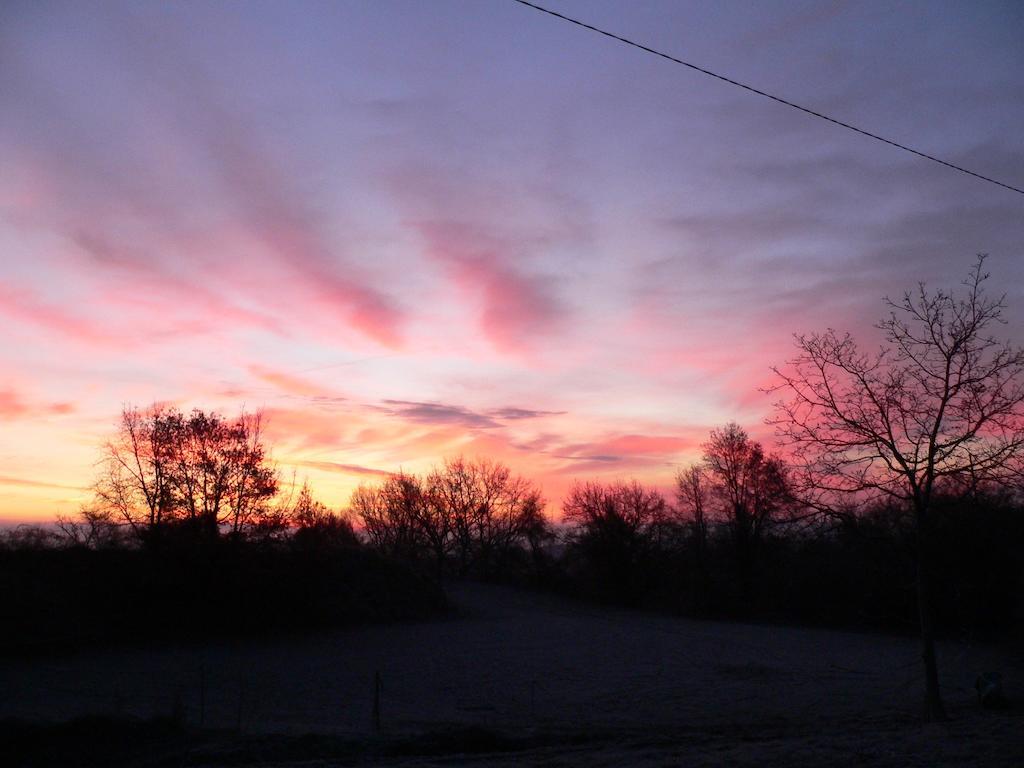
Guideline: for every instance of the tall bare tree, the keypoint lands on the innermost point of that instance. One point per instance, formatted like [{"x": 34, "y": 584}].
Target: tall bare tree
[
  {"x": 437, "y": 518},
  {"x": 475, "y": 511},
  {"x": 162, "y": 466},
  {"x": 942, "y": 397},
  {"x": 489, "y": 510},
  {"x": 694, "y": 505},
  {"x": 750, "y": 488},
  {"x": 615, "y": 527},
  {"x": 136, "y": 481},
  {"x": 390, "y": 513},
  {"x": 252, "y": 480},
  {"x": 221, "y": 475}
]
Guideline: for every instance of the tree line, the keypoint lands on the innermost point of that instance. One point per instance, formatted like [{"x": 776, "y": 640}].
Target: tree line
[
  {"x": 201, "y": 477},
  {"x": 911, "y": 443}
]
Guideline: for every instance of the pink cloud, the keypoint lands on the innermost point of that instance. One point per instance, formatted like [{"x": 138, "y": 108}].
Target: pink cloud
[
  {"x": 306, "y": 428},
  {"x": 14, "y": 406},
  {"x": 516, "y": 309},
  {"x": 23, "y": 305},
  {"x": 646, "y": 445},
  {"x": 158, "y": 214},
  {"x": 615, "y": 453},
  {"x": 11, "y": 405},
  {"x": 286, "y": 382}
]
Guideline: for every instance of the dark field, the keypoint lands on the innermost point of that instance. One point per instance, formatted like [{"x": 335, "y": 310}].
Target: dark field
[{"x": 517, "y": 678}]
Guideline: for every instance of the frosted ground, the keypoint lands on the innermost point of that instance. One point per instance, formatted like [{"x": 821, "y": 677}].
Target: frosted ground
[{"x": 538, "y": 680}]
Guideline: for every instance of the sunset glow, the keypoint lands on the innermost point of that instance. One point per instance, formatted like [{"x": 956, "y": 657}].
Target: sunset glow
[{"x": 406, "y": 230}]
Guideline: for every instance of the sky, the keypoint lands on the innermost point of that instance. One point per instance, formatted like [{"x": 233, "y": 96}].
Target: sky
[{"x": 409, "y": 230}]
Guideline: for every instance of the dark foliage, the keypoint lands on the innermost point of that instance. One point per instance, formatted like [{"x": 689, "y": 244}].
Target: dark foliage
[
  {"x": 617, "y": 536},
  {"x": 60, "y": 598},
  {"x": 856, "y": 573}
]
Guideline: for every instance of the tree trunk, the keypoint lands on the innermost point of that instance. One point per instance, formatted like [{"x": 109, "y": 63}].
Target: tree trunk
[{"x": 933, "y": 707}]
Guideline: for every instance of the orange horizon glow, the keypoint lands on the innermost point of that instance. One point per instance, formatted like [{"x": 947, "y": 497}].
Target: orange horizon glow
[{"x": 338, "y": 447}]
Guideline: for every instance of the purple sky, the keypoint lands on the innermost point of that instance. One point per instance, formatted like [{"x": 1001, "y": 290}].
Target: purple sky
[{"x": 410, "y": 229}]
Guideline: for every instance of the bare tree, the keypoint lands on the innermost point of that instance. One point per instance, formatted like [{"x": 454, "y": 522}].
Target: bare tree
[
  {"x": 457, "y": 490},
  {"x": 437, "y": 519},
  {"x": 615, "y": 526},
  {"x": 941, "y": 398},
  {"x": 750, "y": 489},
  {"x": 315, "y": 525},
  {"x": 252, "y": 481},
  {"x": 475, "y": 511},
  {"x": 221, "y": 475},
  {"x": 627, "y": 506},
  {"x": 391, "y": 513},
  {"x": 692, "y": 494},
  {"x": 94, "y": 528},
  {"x": 490, "y": 510},
  {"x": 136, "y": 482},
  {"x": 308, "y": 511},
  {"x": 163, "y": 466}
]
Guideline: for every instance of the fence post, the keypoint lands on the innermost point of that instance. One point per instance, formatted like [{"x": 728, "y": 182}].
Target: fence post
[
  {"x": 376, "y": 701},
  {"x": 241, "y": 702},
  {"x": 202, "y": 695},
  {"x": 178, "y": 716}
]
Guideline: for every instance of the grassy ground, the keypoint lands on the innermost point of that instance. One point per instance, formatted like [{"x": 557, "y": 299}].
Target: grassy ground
[{"x": 517, "y": 678}]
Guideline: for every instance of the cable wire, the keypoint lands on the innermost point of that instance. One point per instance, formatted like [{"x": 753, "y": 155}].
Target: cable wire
[{"x": 767, "y": 95}]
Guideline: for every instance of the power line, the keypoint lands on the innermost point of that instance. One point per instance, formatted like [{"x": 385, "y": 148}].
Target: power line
[{"x": 767, "y": 95}]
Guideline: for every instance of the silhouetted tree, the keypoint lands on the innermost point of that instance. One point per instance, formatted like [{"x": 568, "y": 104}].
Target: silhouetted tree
[
  {"x": 220, "y": 474},
  {"x": 437, "y": 519},
  {"x": 390, "y": 513},
  {"x": 694, "y": 505},
  {"x": 308, "y": 511},
  {"x": 941, "y": 397},
  {"x": 490, "y": 510},
  {"x": 252, "y": 480},
  {"x": 136, "y": 483},
  {"x": 749, "y": 488},
  {"x": 94, "y": 528},
  {"x": 317, "y": 526},
  {"x": 476, "y": 512},
  {"x": 27, "y": 537},
  {"x": 163, "y": 467},
  {"x": 615, "y": 529}
]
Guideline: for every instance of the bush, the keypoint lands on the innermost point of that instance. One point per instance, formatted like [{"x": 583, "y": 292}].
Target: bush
[{"x": 58, "y": 598}]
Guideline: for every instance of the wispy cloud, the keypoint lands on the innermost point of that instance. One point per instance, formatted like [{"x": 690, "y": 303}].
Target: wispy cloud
[
  {"x": 27, "y": 483},
  {"x": 516, "y": 414},
  {"x": 290, "y": 383},
  {"x": 439, "y": 413},
  {"x": 13, "y": 405},
  {"x": 516, "y": 309},
  {"x": 345, "y": 469}
]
